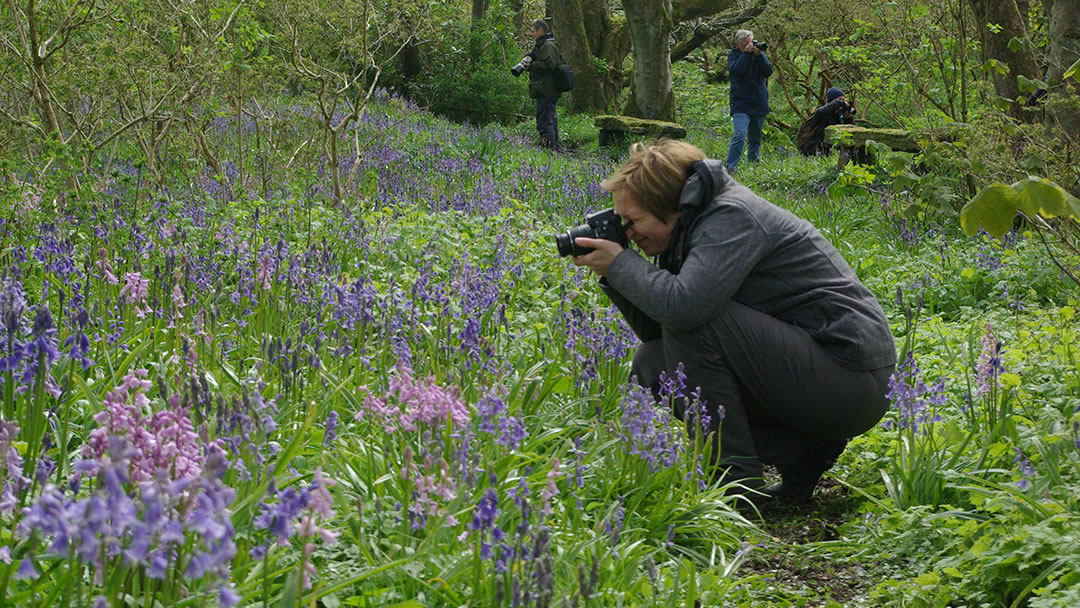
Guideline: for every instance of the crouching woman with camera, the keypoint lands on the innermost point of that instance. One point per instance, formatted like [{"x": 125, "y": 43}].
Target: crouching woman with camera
[{"x": 791, "y": 352}]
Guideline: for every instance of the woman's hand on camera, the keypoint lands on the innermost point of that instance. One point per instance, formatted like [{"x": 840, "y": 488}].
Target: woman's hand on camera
[{"x": 603, "y": 254}]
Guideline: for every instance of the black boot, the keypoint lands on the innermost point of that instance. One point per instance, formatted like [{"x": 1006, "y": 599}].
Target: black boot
[{"x": 801, "y": 477}]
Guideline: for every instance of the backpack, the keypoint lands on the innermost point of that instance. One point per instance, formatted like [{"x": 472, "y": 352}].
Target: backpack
[
  {"x": 805, "y": 136},
  {"x": 564, "y": 77}
]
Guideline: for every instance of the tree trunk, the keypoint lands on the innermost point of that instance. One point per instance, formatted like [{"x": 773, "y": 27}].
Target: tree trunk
[
  {"x": 1024, "y": 6},
  {"x": 650, "y": 24},
  {"x": 479, "y": 7},
  {"x": 1063, "y": 103},
  {"x": 586, "y": 32},
  {"x": 596, "y": 43},
  {"x": 518, "y": 8},
  {"x": 1021, "y": 62}
]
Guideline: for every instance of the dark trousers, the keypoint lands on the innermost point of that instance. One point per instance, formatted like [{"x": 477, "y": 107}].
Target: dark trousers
[
  {"x": 547, "y": 121},
  {"x": 780, "y": 391}
]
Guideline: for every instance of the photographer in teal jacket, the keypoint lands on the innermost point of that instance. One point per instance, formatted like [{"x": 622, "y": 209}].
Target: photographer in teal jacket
[{"x": 791, "y": 352}]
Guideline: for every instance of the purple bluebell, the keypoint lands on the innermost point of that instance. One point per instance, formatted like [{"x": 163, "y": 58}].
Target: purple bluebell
[
  {"x": 329, "y": 432},
  {"x": 42, "y": 347},
  {"x": 647, "y": 430},
  {"x": 613, "y": 523},
  {"x": 12, "y": 323},
  {"x": 26, "y": 570},
  {"x": 911, "y": 397},
  {"x": 989, "y": 367},
  {"x": 486, "y": 511},
  {"x": 512, "y": 432},
  {"x": 1027, "y": 470}
]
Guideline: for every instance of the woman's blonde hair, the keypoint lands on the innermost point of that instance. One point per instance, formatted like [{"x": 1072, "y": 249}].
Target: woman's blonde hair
[{"x": 654, "y": 175}]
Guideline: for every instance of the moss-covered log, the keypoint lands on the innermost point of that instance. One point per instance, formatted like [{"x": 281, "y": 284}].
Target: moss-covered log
[
  {"x": 856, "y": 137},
  {"x": 615, "y": 128}
]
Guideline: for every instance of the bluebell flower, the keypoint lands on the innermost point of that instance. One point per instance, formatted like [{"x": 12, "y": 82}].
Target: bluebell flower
[
  {"x": 910, "y": 397},
  {"x": 42, "y": 345},
  {"x": 329, "y": 433}
]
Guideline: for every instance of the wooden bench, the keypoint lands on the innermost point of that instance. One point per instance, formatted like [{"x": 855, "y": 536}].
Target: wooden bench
[
  {"x": 614, "y": 129},
  {"x": 851, "y": 140}
]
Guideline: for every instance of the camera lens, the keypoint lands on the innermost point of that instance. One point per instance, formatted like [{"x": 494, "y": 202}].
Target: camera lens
[{"x": 565, "y": 245}]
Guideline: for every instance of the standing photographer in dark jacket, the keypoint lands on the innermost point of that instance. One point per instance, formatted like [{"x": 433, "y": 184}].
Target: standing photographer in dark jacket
[
  {"x": 786, "y": 344},
  {"x": 545, "y": 60},
  {"x": 749, "y": 70},
  {"x": 837, "y": 110}
]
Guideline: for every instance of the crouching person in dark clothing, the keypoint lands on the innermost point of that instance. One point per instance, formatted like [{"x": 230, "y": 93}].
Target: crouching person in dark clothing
[
  {"x": 837, "y": 110},
  {"x": 763, "y": 313}
]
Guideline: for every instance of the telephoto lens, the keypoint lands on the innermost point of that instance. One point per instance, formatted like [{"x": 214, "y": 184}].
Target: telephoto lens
[{"x": 520, "y": 67}]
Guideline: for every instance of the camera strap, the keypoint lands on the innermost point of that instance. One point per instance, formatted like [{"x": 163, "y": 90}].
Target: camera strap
[
  {"x": 706, "y": 177},
  {"x": 673, "y": 258}
]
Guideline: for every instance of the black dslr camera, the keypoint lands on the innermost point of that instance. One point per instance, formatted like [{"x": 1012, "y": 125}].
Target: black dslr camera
[
  {"x": 520, "y": 67},
  {"x": 600, "y": 225},
  {"x": 762, "y": 46}
]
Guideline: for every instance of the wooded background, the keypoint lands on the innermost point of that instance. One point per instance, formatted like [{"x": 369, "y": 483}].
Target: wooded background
[{"x": 77, "y": 76}]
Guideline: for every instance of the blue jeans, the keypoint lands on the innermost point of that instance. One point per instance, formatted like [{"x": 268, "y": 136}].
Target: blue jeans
[{"x": 747, "y": 127}]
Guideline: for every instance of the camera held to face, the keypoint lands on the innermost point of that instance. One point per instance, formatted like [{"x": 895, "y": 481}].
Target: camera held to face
[
  {"x": 761, "y": 46},
  {"x": 521, "y": 65},
  {"x": 604, "y": 224}
]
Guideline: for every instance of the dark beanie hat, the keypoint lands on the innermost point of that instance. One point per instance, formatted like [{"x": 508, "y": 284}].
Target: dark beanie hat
[{"x": 833, "y": 93}]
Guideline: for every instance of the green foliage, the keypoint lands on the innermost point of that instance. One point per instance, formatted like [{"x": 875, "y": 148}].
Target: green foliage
[
  {"x": 1073, "y": 70},
  {"x": 465, "y": 74},
  {"x": 995, "y": 207}
]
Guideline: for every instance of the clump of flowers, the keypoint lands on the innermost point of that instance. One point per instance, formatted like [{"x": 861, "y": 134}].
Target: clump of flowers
[
  {"x": 124, "y": 524},
  {"x": 435, "y": 487},
  {"x": 911, "y": 397},
  {"x": 12, "y": 323},
  {"x": 135, "y": 291},
  {"x": 509, "y": 430},
  {"x": 996, "y": 406},
  {"x": 989, "y": 368},
  {"x": 647, "y": 430},
  {"x": 297, "y": 513},
  {"x": 161, "y": 441},
  {"x": 12, "y": 480},
  {"x": 41, "y": 349},
  {"x": 105, "y": 268},
  {"x": 418, "y": 401}
]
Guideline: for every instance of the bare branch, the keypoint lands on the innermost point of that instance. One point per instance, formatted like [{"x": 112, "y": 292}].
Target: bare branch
[
  {"x": 63, "y": 30},
  {"x": 703, "y": 33},
  {"x": 138, "y": 119},
  {"x": 228, "y": 21},
  {"x": 26, "y": 122}
]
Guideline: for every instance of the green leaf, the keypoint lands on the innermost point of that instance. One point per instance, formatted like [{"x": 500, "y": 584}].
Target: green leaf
[
  {"x": 1040, "y": 196},
  {"x": 1072, "y": 71},
  {"x": 837, "y": 191},
  {"x": 992, "y": 209},
  {"x": 1028, "y": 85},
  {"x": 1073, "y": 205},
  {"x": 291, "y": 593}
]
